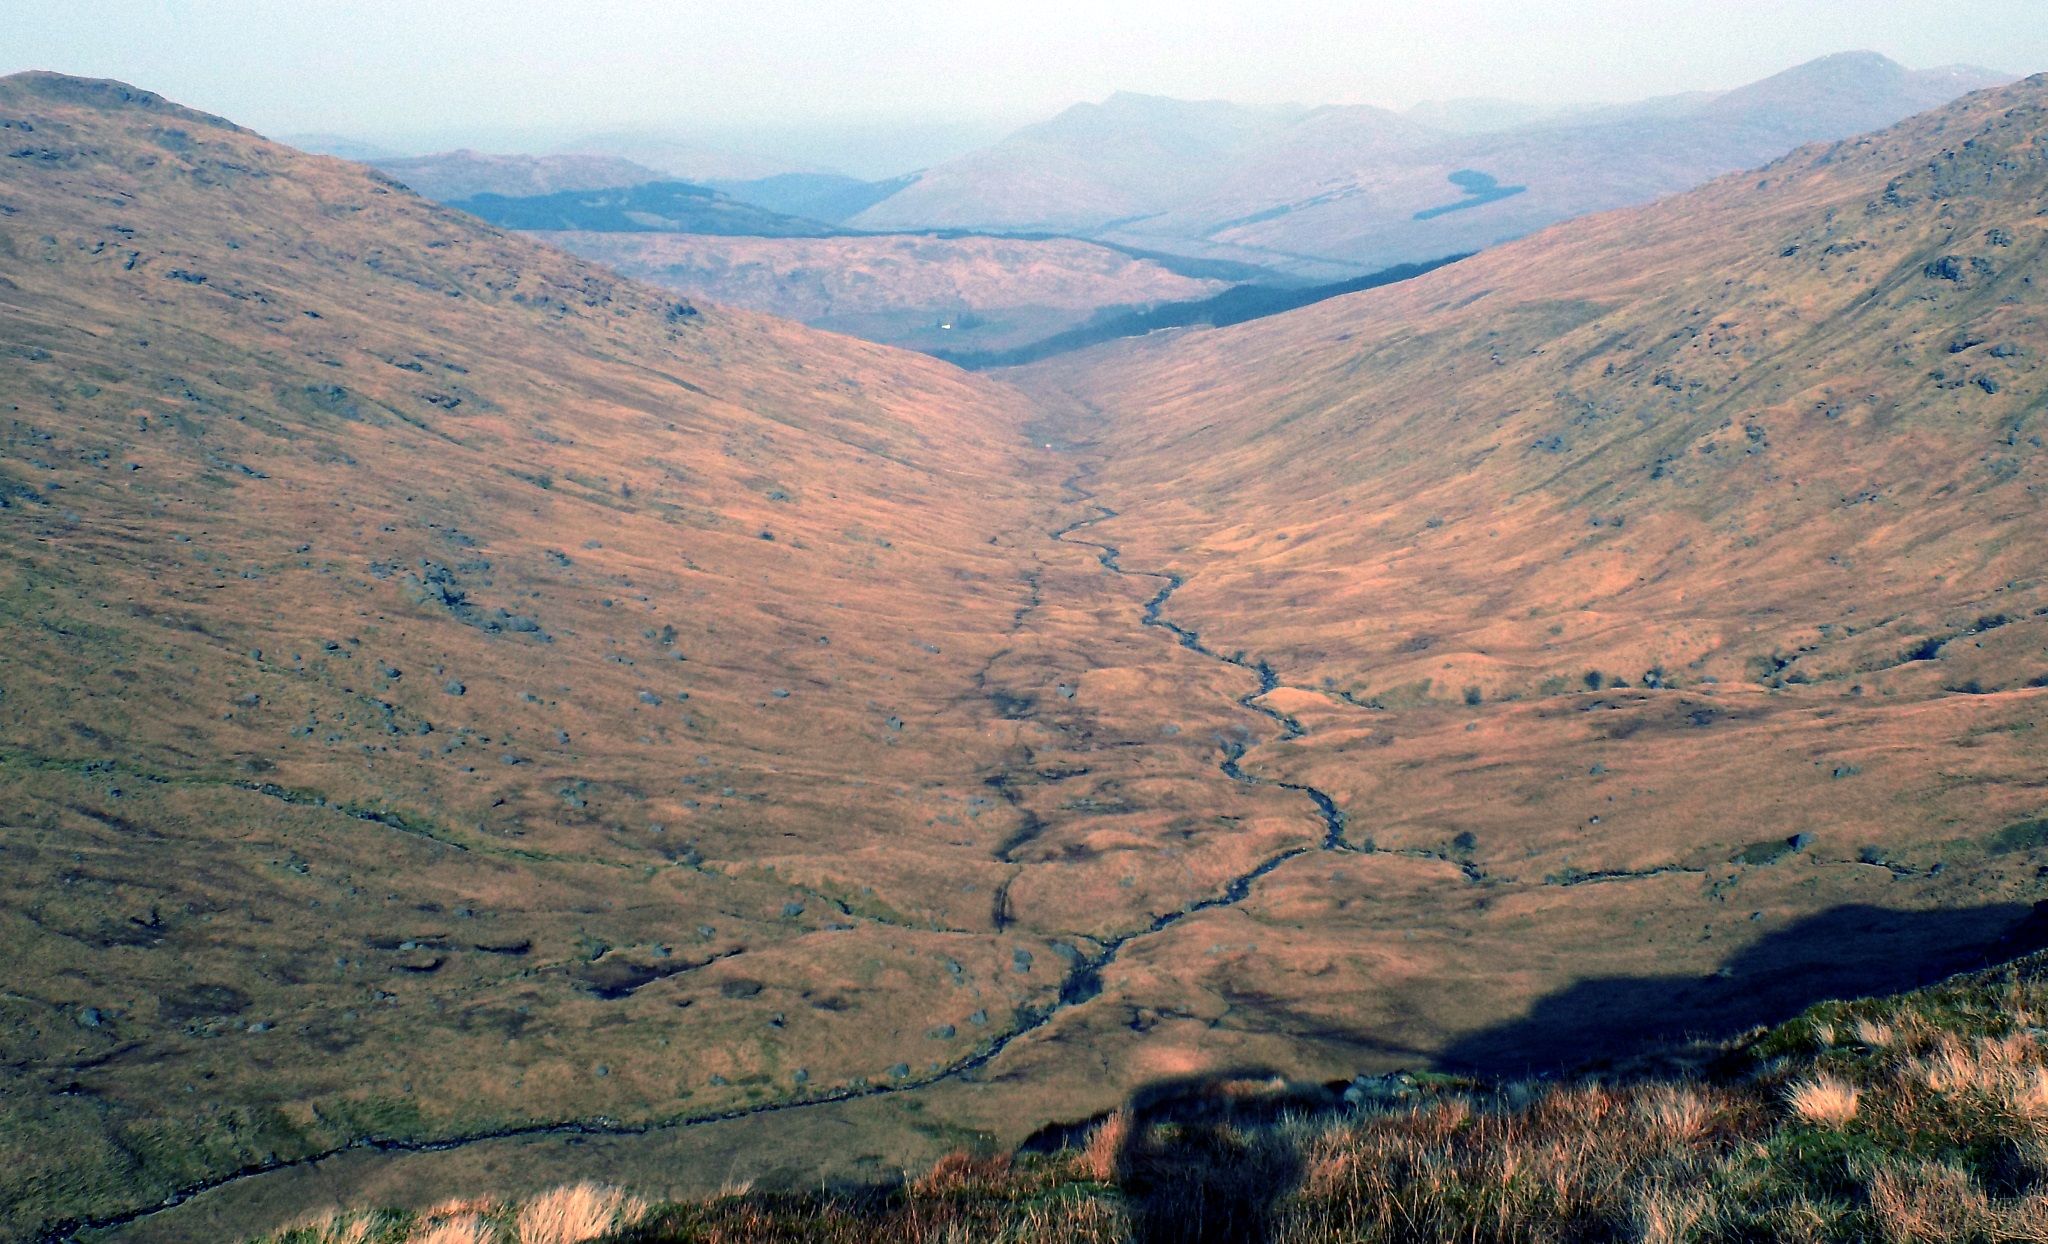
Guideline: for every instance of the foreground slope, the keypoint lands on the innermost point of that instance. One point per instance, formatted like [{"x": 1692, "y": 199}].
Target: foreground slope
[{"x": 1914, "y": 1117}]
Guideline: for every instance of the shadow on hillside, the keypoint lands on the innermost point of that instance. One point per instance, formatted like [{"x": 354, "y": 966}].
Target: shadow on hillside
[
  {"x": 1191, "y": 1164},
  {"x": 1844, "y": 952}
]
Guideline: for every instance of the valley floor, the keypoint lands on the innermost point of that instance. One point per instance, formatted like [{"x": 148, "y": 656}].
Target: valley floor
[
  {"x": 470, "y": 722},
  {"x": 1269, "y": 935}
]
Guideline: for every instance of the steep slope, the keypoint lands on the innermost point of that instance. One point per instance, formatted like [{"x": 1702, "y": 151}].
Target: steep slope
[
  {"x": 919, "y": 291},
  {"x": 452, "y": 175},
  {"x": 1658, "y": 599},
  {"x": 1778, "y": 359},
  {"x": 454, "y": 696},
  {"x": 1371, "y": 205},
  {"x": 1130, "y": 155},
  {"x": 428, "y": 653}
]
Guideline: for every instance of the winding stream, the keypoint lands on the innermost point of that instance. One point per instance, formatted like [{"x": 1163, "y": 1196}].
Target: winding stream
[
  {"x": 1082, "y": 982},
  {"x": 1110, "y": 556}
]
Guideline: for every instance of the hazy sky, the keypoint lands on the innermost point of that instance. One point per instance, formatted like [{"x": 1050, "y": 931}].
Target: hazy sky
[{"x": 410, "y": 73}]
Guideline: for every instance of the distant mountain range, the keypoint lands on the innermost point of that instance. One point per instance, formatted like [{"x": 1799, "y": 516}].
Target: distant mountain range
[
  {"x": 1289, "y": 198},
  {"x": 1320, "y": 193},
  {"x": 1087, "y": 168},
  {"x": 1342, "y": 188},
  {"x": 956, "y": 291},
  {"x": 453, "y": 175}
]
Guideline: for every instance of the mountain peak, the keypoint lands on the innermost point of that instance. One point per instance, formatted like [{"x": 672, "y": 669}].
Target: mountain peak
[
  {"x": 1855, "y": 68},
  {"x": 1143, "y": 99},
  {"x": 1853, "y": 56},
  {"x": 1846, "y": 93},
  {"x": 105, "y": 94}
]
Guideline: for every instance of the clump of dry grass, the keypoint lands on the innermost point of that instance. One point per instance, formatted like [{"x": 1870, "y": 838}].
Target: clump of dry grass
[
  {"x": 961, "y": 1173},
  {"x": 336, "y": 1227},
  {"x": 1824, "y": 1101},
  {"x": 1675, "y": 1113},
  {"x": 1099, "y": 1156},
  {"x": 459, "y": 1229},
  {"x": 1667, "y": 1215},
  {"x": 576, "y": 1214},
  {"x": 1936, "y": 1202}
]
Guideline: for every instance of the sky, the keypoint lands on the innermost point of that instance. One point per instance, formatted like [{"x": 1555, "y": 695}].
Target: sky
[{"x": 416, "y": 75}]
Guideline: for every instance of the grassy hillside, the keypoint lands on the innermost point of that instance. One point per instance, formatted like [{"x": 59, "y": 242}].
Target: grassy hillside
[
  {"x": 1922, "y": 1117},
  {"x": 1658, "y": 598},
  {"x": 452, "y": 693},
  {"x": 469, "y": 717},
  {"x": 433, "y": 665}
]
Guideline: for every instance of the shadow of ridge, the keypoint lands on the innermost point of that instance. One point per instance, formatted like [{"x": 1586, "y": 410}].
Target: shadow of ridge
[
  {"x": 1199, "y": 1161},
  {"x": 1849, "y": 951}
]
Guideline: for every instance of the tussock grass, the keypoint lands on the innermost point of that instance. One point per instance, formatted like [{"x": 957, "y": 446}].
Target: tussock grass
[
  {"x": 1824, "y": 1101},
  {"x": 460, "y": 1229},
  {"x": 576, "y": 1214},
  {"x": 1917, "y": 1118}
]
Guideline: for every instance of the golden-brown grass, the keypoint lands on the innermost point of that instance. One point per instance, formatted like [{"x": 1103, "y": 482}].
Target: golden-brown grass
[
  {"x": 459, "y": 1229},
  {"x": 577, "y": 1213},
  {"x": 1099, "y": 1155},
  {"x": 1824, "y": 1101},
  {"x": 195, "y": 661},
  {"x": 1936, "y": 1132},
  {"x": 336, "y": 1227}
]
